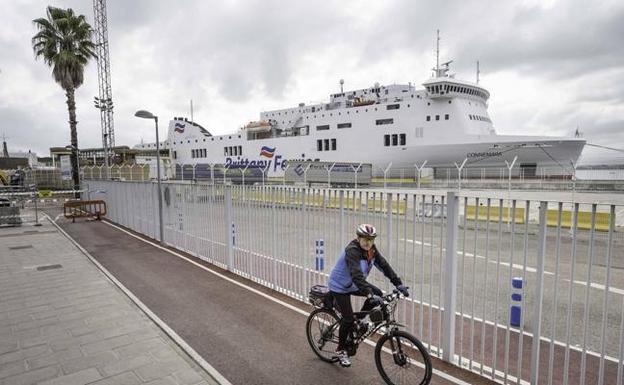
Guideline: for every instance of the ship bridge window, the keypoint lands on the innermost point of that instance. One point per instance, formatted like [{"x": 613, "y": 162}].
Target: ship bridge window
[
  {"x": 326, "y": 144},
  {"x": 393, "y": 106},
  {"x": 380, "y": 122},
  {"x": 323, "y": 127},
  {"x": 428, "y": 118},
  {"x": 344, "y": 125},
  {"x": 395, "y": 140},
  {"x": 437, "y": 117},
  {"x": 446, "y": 116}
]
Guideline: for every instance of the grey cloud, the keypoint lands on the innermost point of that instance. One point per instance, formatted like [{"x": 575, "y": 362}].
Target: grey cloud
[
  {"x": 256, "y": 43},
  {"x": 165, "y": 53}
]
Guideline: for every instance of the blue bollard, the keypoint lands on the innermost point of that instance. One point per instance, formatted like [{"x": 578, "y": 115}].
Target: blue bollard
[
  {"x": 319, "y": 254},
  {"x": 515, "y": 315}
]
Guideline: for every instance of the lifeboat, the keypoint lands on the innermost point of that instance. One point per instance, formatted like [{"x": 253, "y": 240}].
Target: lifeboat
[
  {"x": 259, "y": 126},
  {"x": 357, "y": 102}
]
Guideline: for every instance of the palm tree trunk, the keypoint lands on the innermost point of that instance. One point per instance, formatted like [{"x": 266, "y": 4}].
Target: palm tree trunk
[{"x": 71, "y": 107}]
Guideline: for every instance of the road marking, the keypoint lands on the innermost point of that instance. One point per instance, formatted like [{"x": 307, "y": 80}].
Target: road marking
[
  {"x": 595, "y": 285},
  {"x": 438, "y": 373}
]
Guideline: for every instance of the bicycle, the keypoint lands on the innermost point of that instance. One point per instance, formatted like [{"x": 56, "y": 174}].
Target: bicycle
[{"x": 408, "y": 362}]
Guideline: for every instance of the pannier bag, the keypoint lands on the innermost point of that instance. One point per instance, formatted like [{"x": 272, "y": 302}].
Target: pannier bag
[{"x": 320, "y": 296}]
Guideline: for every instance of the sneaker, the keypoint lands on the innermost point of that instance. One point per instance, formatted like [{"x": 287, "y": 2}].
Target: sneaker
[{"x": 343, "y": 358}]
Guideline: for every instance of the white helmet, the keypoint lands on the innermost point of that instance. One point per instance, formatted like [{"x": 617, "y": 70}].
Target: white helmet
[{"x": 365, "y": 230}]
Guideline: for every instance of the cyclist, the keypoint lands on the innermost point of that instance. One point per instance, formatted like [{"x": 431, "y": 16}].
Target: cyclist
[{"x": 348, "y": 278}]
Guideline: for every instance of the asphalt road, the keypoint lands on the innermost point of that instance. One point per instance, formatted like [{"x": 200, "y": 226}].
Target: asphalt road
[{"x": 246, "y": 337}]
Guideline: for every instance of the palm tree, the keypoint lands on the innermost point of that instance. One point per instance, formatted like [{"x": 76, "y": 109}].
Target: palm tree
[{"x": 64, "y": 43}]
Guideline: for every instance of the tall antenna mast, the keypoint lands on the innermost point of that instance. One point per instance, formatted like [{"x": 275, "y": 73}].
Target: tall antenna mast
[
  {"x": 192, "y": 110},
  {"x": 105, "y": 100},
  {"x": 478, "y": 72},
  {"x": 438, "y": 54}
]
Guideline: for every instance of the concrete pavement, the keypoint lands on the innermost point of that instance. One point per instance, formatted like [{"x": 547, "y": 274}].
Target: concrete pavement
[{"x": 62, "y": 321}]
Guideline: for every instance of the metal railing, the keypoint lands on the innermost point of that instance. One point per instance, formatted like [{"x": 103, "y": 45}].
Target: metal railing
[
  {"x": 459, "y": 253},
  {"x": 440, "y": 178}
]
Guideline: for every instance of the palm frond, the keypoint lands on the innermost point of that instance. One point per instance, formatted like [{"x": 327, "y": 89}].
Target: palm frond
[{"x": 64, "y": 42}]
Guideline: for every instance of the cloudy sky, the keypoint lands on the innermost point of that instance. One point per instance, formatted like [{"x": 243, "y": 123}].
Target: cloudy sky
[{"x": 550, "y": 66}]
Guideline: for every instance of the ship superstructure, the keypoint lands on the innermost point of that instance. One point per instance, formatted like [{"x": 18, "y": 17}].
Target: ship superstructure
[{"x": 393, "y": 127}]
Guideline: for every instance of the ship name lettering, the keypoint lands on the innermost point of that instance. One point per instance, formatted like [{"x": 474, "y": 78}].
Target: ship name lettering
[{"x": 483, "y": 154}]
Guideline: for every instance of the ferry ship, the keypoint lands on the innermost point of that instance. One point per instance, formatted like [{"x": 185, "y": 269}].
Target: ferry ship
[{"x": 396, "y": 128}]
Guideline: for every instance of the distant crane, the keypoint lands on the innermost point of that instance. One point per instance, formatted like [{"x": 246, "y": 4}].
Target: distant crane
[
  {"x": 104, "y": 102},
  {"x": 5, "y": 151}
]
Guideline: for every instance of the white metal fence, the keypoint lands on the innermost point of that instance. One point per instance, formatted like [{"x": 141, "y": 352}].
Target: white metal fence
[
  {"x": 440, "y": 178},
  {"x": 458, "y": 252}
]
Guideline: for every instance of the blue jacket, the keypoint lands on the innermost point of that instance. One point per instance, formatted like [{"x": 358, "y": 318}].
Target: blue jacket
[{"x": 352, "y": 268}]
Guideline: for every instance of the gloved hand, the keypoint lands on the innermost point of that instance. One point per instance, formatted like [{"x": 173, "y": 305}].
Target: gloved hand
[
  {"x": 403, "y": 289},
  {"x": 375, "y": 300}
]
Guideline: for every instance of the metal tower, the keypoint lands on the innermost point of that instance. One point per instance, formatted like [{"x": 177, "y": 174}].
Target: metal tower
[
  {"x": 5, "y": 152},
  {"x": 105, "y": 100}
]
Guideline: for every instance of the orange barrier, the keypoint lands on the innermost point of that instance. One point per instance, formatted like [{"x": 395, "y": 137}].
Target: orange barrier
[{"x": 84, "y": 209}]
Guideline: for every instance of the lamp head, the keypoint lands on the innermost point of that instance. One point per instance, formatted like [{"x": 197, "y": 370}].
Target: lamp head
[{"x": 144, "y": 114}]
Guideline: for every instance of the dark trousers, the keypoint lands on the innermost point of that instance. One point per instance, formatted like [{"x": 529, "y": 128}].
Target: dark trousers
[{"x": 343, "y": 303}]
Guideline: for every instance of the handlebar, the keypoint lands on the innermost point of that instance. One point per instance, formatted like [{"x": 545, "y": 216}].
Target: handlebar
[{"x": 394, "y": 295}]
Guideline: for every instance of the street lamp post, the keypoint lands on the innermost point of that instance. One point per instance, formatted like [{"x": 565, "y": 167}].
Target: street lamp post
[{"x": 148, "y": 115}]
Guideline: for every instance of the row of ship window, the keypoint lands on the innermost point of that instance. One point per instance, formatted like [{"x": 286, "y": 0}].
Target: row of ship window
[
  {"x": 481, "y": 118},
  {"x": 394, "y": 140},
  {"x": 227, "y": 151},
  {"x": 446, "y": 88},
  {"x": 389, "y": 140},
  {"x": 437, "y": 117},
  {"x": 203, "y": 140},
  {"x": 321, "y": 145},
  {"x": 388, "y": 107},
  {"x": 326, "y": 144},
  {"x": 233, "y": 150},
  {"x": 378, "y": 122},
  {"x": 314, "y": 109},
  {"x": 198, "y": 153}
]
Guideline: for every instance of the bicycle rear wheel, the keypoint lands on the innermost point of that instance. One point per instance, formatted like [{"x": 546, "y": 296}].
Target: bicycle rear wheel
[
  {"x": 322, "y": 332},
  {"x": 402, "y": 359}
]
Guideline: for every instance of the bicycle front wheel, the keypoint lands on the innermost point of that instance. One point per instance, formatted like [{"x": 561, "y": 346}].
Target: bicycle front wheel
[
  {"x": 402, "y": 359},
  {"x": 322, "y": 331}
]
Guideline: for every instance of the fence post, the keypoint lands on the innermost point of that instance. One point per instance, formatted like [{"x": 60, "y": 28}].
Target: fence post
[
  {"x": 228, "y": 227},
  {"x": 539, "y": 293},
  {"x": 342, "y": 217},
  {"x": 450, "y": 280},
  {"x": 388, "y": 236}
]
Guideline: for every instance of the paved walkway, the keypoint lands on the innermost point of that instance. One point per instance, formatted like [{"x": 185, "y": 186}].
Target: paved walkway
[{"x": 62, "y": 321}]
